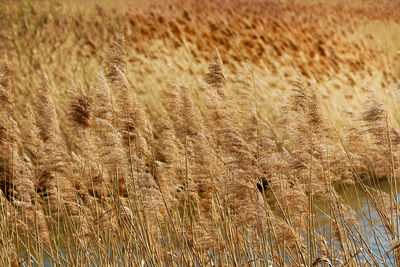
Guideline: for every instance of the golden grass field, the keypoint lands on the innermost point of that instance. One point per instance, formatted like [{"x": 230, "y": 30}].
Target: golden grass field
[{"x": 198, "y": 133}]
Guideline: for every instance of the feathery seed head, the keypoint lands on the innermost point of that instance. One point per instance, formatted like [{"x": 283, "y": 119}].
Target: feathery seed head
[
  {"x": 46, "y": 116},
  {"x": 6, "y": 86},
  {"x": 116, "y": 59},
  {"x": 216, "y": 77},
  {"x": 80, "y": 108}
]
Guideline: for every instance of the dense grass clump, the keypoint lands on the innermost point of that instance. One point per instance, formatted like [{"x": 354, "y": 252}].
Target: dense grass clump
[{"x": 205, "y": 179}]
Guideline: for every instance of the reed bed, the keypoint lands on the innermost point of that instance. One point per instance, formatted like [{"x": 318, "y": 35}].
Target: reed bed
[{"x": 204, "y": 180}]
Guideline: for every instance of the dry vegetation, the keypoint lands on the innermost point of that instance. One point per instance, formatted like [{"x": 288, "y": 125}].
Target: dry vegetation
[{"x": 119, "y": 146}]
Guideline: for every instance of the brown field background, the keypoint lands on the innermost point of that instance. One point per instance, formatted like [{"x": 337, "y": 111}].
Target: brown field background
[{"x": 338, "y": 47}]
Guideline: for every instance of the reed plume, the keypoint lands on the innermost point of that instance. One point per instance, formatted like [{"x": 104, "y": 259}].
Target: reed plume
[
  {"x": 136, "y": 132},
  {"x": 200, "y": 155},
  {"x": 171, "y": 164},
  {"x": 202, "y": 171},
  {"x": 18, "y": 181},
  {"x": 9, "y": 131},
  {"x": 194, "y": 139},
  {"x": 55, "y": 176},
  {"x": 133, "y": 125},
  {"x": 242, "y": 175},
  {"x": 80, "y": 108},
  {"x": 384, "y": 136},
  {"x": 116, "y": 60},
  {"x": 55, "y": 157},
  {"x": 132, "y": 121},
  {"x": 6, "y": 97},
  {"x": 33, "y": 144},
  {"x": 372, "y": 142},
  {"x": 247, "y": 107},
  {"x": 215, "y": 77},
  {"x": 110, "y": 152},
  {"x": 80, "y": 113}
]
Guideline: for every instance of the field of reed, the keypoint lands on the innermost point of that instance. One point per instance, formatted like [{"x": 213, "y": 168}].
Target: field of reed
[{"x": 199, "y": 133}]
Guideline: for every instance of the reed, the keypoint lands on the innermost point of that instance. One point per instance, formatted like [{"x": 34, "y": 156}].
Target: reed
[{"x": 216, "y": 179}]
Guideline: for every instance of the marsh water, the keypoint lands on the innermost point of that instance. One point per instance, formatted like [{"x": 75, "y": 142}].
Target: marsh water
[
  {"x": 375, "y": 235},
  {"x": 370, "y": 227}
]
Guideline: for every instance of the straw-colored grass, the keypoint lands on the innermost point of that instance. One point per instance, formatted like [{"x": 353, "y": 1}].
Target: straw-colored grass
[{"x": 119, "y": 147}]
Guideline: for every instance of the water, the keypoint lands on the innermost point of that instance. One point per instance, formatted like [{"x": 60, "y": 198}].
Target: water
[{"x": 371, "y": 232}]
